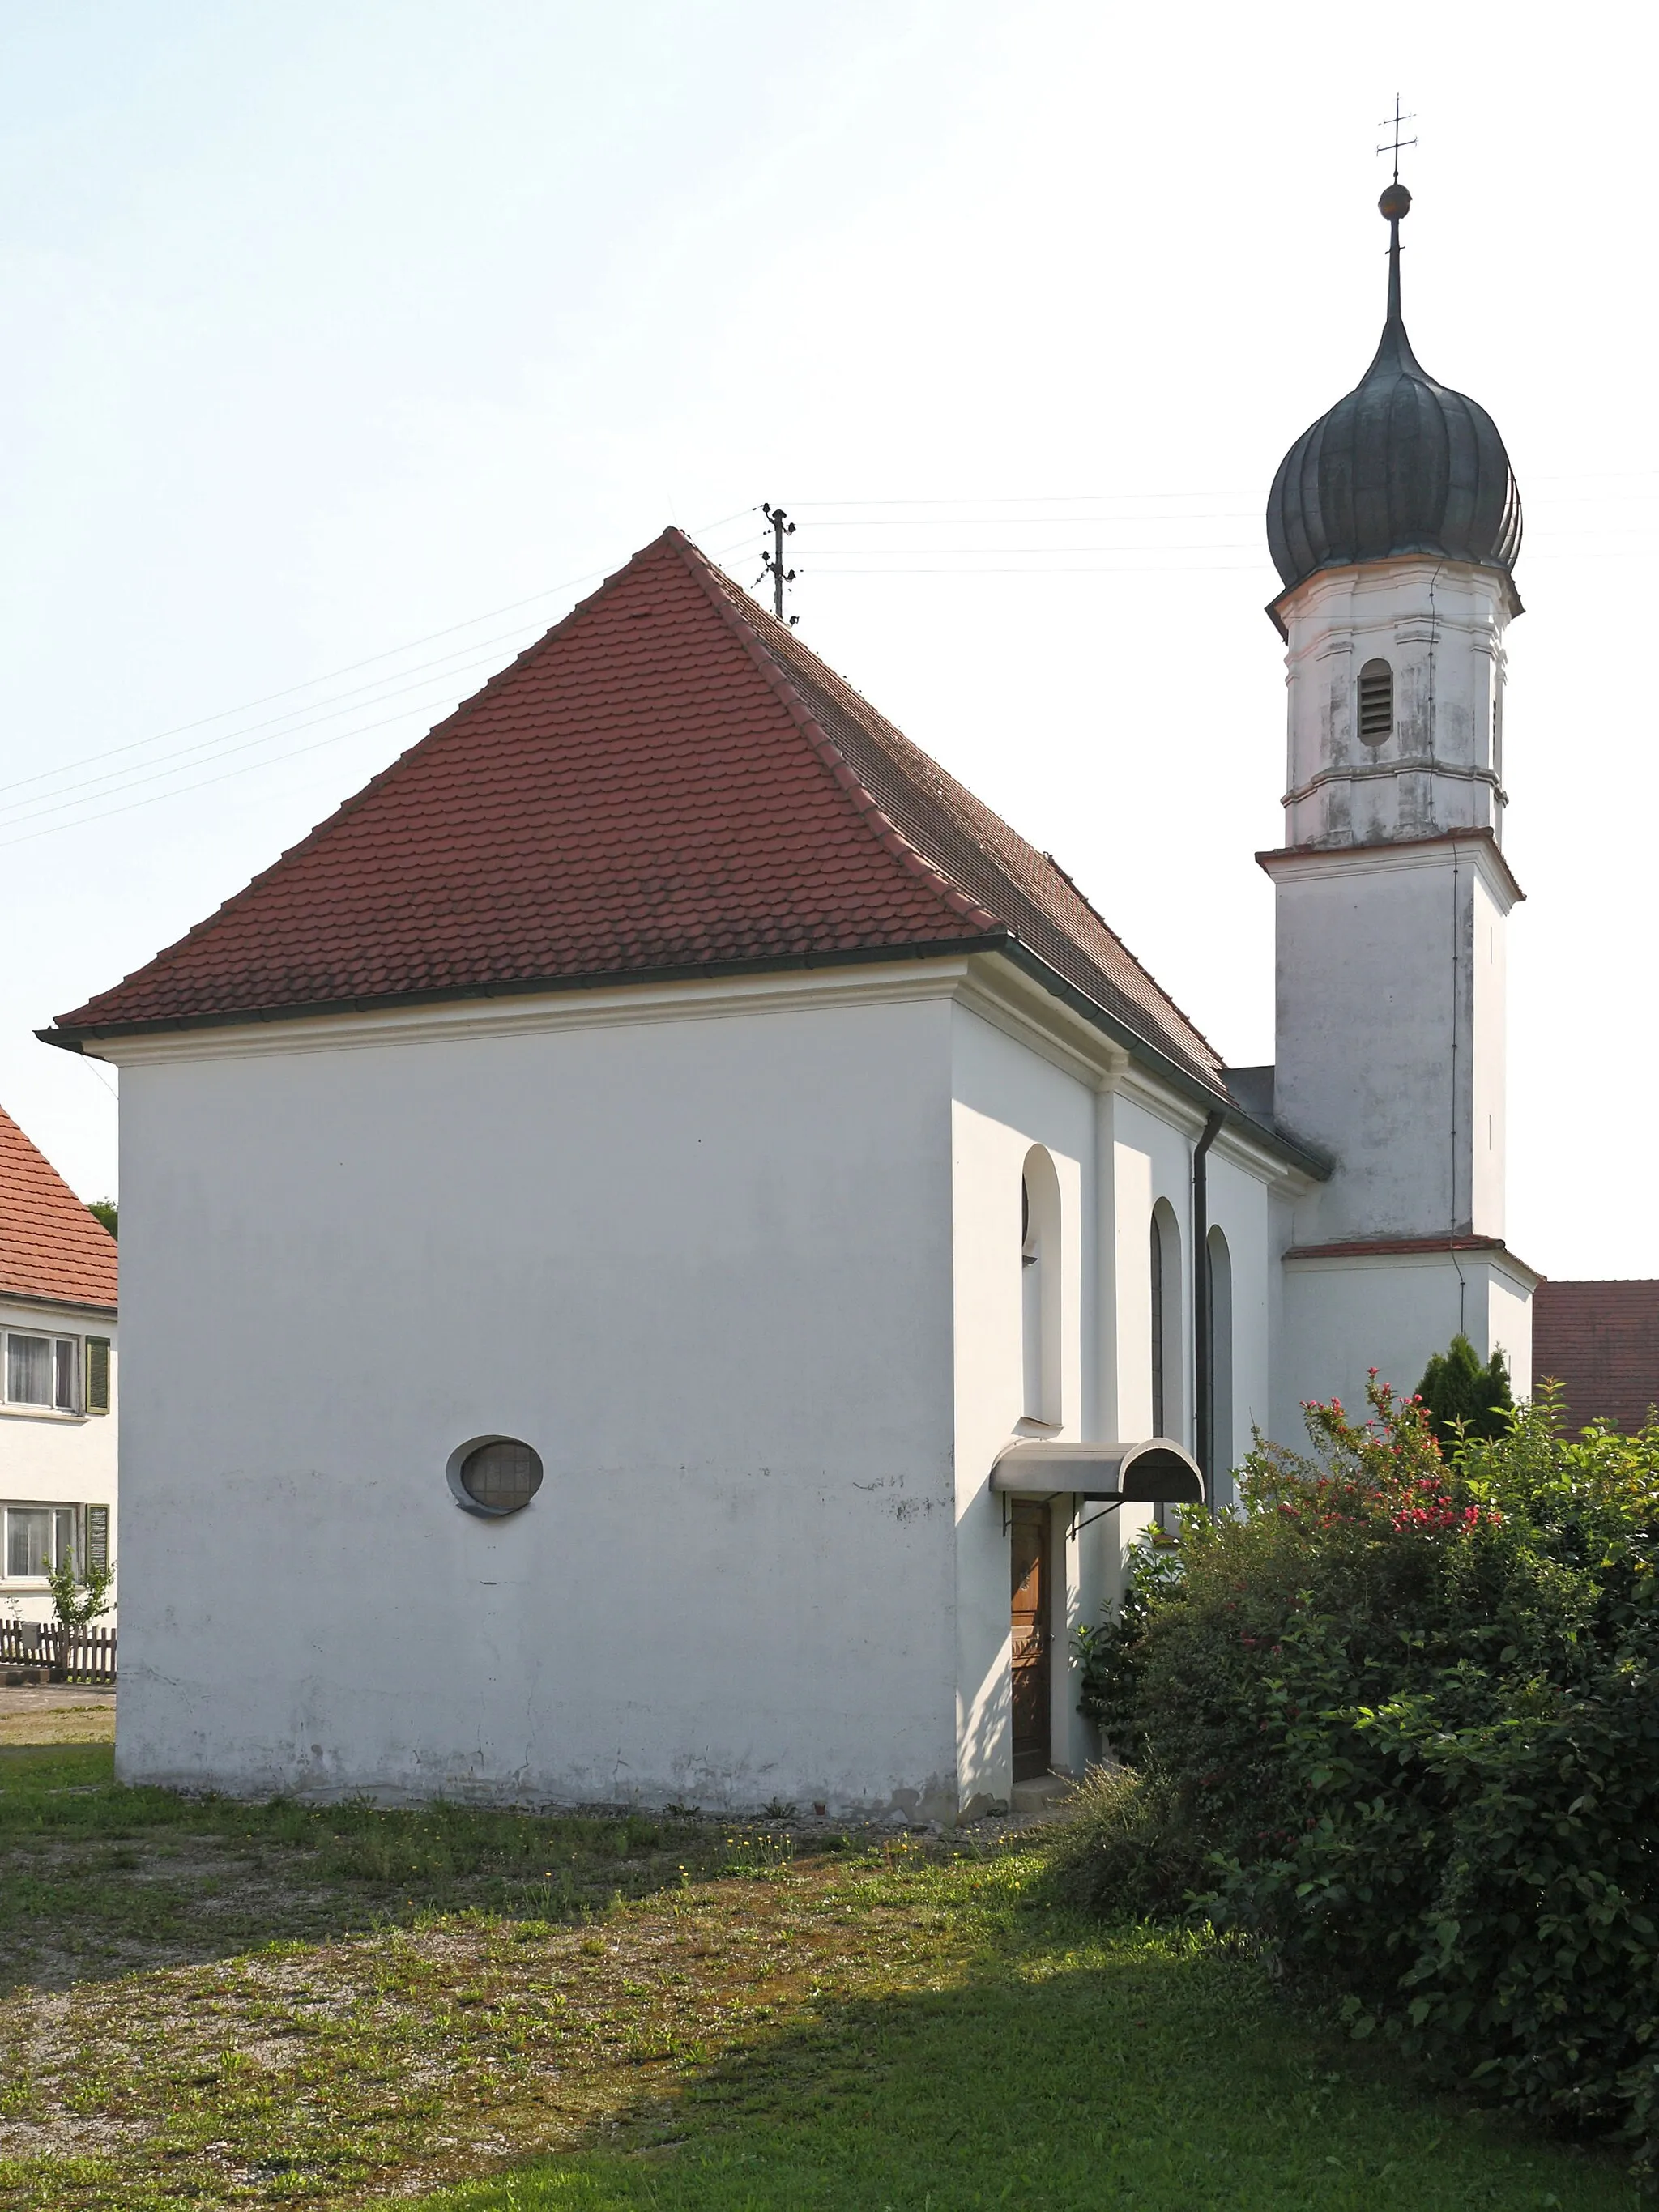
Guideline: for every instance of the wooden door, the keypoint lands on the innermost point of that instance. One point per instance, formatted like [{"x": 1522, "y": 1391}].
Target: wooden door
[{"x": 1030, "y": 1531}]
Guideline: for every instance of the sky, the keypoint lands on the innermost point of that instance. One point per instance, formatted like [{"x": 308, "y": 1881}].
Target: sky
[{"x": 350, "y": 344}]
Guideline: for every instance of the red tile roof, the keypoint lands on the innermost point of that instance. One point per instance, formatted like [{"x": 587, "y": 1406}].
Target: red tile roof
[
  {"x": 668, "y": 781},
  {"x": 50, "y": 1246},
  {"x": 1601, "y": 1341}
]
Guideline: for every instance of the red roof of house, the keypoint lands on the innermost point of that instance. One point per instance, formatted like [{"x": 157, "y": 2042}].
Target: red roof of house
[
  {"x": 669, "y": 781},
  {"x": 50, "y": 1246},
  {"x": 1601, "y": 1342}
]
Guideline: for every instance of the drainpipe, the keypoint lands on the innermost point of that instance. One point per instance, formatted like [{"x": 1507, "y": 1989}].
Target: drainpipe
[{"x": 1203, "y": 1318}]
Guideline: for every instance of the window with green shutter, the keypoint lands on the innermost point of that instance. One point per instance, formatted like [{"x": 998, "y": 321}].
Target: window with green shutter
[
  {"x": 97, "y": 1375},
  {"x": 97, "y": 1551}
]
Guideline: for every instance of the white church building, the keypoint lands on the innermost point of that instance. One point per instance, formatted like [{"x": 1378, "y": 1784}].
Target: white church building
[{"x": 716, "y": 1245}]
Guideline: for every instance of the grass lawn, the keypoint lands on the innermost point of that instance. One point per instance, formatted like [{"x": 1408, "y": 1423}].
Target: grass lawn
[
  {"x": 47, "y": 1719},
  {"x": 212, "y": 2004}
]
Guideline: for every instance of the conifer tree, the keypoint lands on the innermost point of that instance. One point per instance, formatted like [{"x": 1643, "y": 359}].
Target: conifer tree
[{"x": 1456, "y": 1388}]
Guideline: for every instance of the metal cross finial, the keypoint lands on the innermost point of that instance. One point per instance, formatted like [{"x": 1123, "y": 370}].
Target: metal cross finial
[{"x": 1394, "y": 145}]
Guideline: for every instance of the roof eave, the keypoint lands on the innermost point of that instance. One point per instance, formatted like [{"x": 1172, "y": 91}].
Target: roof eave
[
  {"x": 1512, "y": 604},
  {"x": 54, "y": 1301},
  {"x": 1211, "y": 1099},
  {"x": 77, "y": 1036},
  {"x": 1274, "y": 861}
]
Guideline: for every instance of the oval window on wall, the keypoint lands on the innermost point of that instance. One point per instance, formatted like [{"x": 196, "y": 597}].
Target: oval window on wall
[{"x": 495, "y": 1476}]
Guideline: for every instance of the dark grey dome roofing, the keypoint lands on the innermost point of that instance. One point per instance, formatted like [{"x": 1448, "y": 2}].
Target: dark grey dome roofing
[{"x": 1400, "y": 466}]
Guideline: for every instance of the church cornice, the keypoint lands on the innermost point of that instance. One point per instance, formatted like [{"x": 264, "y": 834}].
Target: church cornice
[
  {"x": 1155, "y": 1068},
  {"x": 999, "y": 977},
  {"x": 1359, "y": 579},
  {"x": 1368, "y": 1251},
  {"x": 1480, "y": 843},
  {"x": 1406, "y": 764},
  {"x": 603, "y": 1001}
]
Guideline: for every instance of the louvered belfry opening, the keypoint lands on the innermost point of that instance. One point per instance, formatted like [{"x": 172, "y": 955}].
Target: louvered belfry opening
[{"x": 1376, "y": 703}]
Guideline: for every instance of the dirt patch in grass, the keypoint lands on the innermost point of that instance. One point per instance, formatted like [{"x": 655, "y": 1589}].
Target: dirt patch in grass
[
  {"x": 97, "y": 1880},
  {"x": 225, "y": 2005},
  {"x": 51, "y": 1713},
  {"x": 69, "y": 1912},
  {"x": 336, "y": 2071}
]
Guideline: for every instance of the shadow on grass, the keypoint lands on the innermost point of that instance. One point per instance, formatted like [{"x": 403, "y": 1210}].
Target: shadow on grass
[
  {"x": 1135, "y": 2067},
  {"x": 98, "y": 1880}
]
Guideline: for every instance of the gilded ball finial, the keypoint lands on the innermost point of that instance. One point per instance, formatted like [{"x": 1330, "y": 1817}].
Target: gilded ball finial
[{"x": 1395, "y": 201}]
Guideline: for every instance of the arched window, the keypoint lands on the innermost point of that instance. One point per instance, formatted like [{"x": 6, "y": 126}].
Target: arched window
[
  {"x": 1039, "y": 1289},
  {"x": 1221, "y": 1369},
  {"x": 1376, "y": 703},
  {"x": 1165, "y": 1287},
  {"x": 1158, "y": 1329}
]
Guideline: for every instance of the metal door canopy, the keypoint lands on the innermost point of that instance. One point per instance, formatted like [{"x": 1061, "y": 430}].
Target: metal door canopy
[{"x": 1156, "y": 1472}]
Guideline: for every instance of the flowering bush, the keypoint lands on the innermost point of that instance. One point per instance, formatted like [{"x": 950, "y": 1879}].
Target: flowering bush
[{"x": 1408, "y": 1707}]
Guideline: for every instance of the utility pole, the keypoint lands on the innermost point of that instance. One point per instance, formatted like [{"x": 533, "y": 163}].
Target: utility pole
[{"x": 772, "y": 562}]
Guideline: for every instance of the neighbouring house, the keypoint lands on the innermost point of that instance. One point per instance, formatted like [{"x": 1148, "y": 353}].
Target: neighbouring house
[
  {"x": 705, "y": 1245},
  {"x": 57, "y": 1379},
  {"x": 1600, "y": 1341}
]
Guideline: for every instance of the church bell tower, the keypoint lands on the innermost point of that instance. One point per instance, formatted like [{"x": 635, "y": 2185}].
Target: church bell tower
[{"x": 1394, "y": 523}]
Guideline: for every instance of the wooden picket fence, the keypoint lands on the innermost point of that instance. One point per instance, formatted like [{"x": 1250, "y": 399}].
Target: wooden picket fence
[{"x": 74, "y": 1655}]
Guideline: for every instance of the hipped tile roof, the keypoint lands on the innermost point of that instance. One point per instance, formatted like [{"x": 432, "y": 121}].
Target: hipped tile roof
[
  {"x": 50, "y": 1246},
  {"x": 667, "y": 782},
  {"x": 1601, "y": 1342}
]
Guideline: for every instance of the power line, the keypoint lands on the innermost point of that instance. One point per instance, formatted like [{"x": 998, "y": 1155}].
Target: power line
[
  {"x": 1208, "y": 491},
  {"x": 903, "y": 552},
  {"x": 1136, "y": 568},
  {"x": 84, "y": 794},
  {"x": 1202, "y": 546},
  {"x": 1031, "y": 499},
  {"x": 350, "y": 668},
  {"x": 248, "y": 767},
  {"x": 482, "y": 654},
  {"x": 85, "y": 799},
  {"x": 1261, "y": 568},
  {"x": 298, "y": 719}
]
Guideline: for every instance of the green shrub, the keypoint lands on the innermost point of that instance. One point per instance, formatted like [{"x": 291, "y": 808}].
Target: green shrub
[
  {"x": 1409, "y": 1706},
  {"x": 79, "y": 1599},
  {"x": 1462, "y": 1398},
  {"x": 1126, "y": 1848}
]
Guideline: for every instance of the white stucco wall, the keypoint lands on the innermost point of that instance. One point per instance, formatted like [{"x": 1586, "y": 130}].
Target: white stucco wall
[
  {"x": 702, "y": 1265},
  {"x": 1489, "y": 1065},
  {"x": 1154, "y": 1165},
  {"x": 1154, "y": 1147},
  {"x": 1119, "y": 1146},
  {"x": 1439, "y": 626},
  {"x": 57, "y": 1459},
  {"x": 1393, "y": 903},
  {"x": 1240, "y": 1207},
  {"x": 1503, "y": 1298},
  {"x": 743, "y": 1262},
  {"x": 1394, "y": 1312},
  {"x": 1007, "y": 1097},
  {"x": 1391, "y": 1034}
]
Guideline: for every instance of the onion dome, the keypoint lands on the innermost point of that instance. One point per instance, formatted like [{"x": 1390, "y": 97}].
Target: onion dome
[{"x": 1400, "y": 466}]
